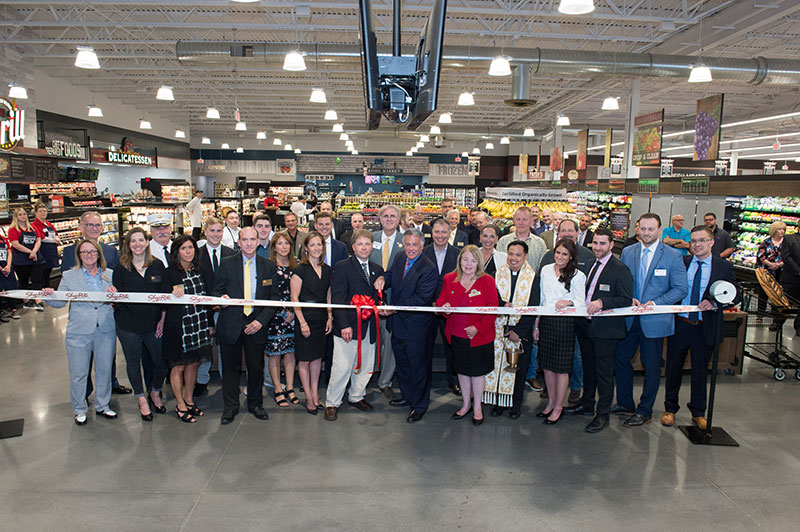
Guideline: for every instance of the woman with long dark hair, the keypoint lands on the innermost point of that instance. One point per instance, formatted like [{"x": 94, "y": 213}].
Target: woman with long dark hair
[
  {"x": 492, "y": 259},
  {"x": 561, "y": 285}
]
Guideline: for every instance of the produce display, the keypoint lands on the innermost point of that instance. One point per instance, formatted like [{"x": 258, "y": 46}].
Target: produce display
[
  {"x": 600, "y": 206},
  {"x": 750, "y": 218}
]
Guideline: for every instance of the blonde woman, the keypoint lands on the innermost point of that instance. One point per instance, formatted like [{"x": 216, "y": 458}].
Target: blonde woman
[{"x": 27, "y": 259}]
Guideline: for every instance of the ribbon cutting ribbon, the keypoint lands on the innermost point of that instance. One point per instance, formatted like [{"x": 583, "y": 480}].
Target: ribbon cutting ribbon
[
  {"x": 169, "y": 299},
  {"x": 366, "y": 307}
]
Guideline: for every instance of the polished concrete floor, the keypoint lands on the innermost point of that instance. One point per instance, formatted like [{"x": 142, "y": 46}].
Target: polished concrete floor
[{"x": 373, "y": 471}]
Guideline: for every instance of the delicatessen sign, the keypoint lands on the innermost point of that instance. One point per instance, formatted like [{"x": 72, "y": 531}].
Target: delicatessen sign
[{"x": 127, "y": 154}]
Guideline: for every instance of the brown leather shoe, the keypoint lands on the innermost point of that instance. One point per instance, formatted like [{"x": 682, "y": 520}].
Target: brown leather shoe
[
  {"x": 668, "y": 419},
  {"x": 362, "y": 405},
  {"x": 331, "y": 413},
  {"x": 701, "y": 422},
  {"x": 574, "y": 397},
  {"x": 388, "y": 393}
]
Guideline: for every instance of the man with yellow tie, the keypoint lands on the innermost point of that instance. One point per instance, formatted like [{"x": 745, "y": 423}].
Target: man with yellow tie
[
  {"x": 386, "y": 244},
  {"x": 244, "y": 275}
]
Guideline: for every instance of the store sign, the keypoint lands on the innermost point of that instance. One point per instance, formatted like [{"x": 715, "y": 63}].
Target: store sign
[
  {"x": 66, "y": 150},
  {"x": 12, "y": 124},
  {"x": 474, "y": 165},
  {"x": 694, "y": 185},
  {"x": 285, "y": 166},
  {"x": 533, "y": 175},
  {"x": 707, "y": 128},
  {"x": 647, "y": 135},
  {"x": 769, "y": 167},
  {"x": 448, "y": 170},
  {"x": 722, "y": 167},
  {"x": 616, "y": 167},
  {"x": 648, "y": 185},
  {"x": 526, "y": 194},
  {"x": 667, "y": 167},
  {"x": 124, "y": 157}
]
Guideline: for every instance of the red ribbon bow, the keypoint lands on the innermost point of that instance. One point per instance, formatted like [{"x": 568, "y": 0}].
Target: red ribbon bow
[{"x": 366, "y": 307}]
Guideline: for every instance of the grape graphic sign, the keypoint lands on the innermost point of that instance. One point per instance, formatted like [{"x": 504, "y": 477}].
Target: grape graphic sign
[
  {"x": 707, "y": 127},
  {"x": 647, "y": 139}
]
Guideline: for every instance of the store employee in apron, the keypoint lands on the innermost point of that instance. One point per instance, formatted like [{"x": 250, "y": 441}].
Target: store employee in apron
[
  {"x": 27, "y": 259},
  {"x": 161, "y": 231},
  {"x": 46, "y": 231}
]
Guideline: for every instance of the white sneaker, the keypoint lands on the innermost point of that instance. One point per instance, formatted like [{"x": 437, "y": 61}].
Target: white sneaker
[
  {"x": 107, "y": 413},
  {"x": 80, "y": 419}
]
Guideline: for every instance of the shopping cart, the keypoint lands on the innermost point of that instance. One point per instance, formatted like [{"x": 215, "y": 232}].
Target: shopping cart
[{"x": 773, "y": 315}]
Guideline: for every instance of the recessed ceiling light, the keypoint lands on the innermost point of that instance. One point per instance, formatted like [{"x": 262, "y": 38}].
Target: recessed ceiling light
[
  {"x": 212, "y": 113},
  {"x": 86, "y": 58},
  {"x": 318, "y": 96},
  {"x": 180, "y": 134},
  {"x": 95, "y": 111},
  {"x": 294, "y": 62},
  {"x": 165, "y": 93},
  {"x": 261, "y": 135},
  {"x": 466, "y": 98},
  {"x": 500, "y": 67},
  {"x": 576, "y": 7},
  {"x": 330, "y": 114}
]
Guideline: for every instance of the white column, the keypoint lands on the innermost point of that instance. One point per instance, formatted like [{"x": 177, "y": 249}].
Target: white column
[
  {"x": 631, "y": 171},
  {"x": 734, "y": 163}
]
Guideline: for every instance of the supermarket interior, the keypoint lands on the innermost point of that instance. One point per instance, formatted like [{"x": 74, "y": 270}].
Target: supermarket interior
[{"x": 599, "y": 112}]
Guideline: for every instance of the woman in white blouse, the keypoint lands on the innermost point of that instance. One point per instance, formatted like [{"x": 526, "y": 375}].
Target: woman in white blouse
[
  {"x": 563, "y": 286},
  {"x": 492, "y": 259}
]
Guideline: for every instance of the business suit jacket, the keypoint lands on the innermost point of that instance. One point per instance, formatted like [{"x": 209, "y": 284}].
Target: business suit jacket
[
  {"x": 790, "y": 254},
  {"x": 418, "y": 287},
  {"x": 549, "y": 238},
  {"x": 539, "y": 230},
  {"x": 205, "y": 258},
  {"x": 450, "y": 260},
  {"x": 588, "y": 240},
  {"x": 338, "y": 227},
  {"x": 473, "y": 235},
  {"x": 426, "y": 232},
  {"x": 229, "y": 279},
  {"x": 461, "y": 239},
  {"x": 377, "y": 253},
  {"x": 721, "y": 270},
  {"x": 585, "y": 260},
  {"x": 348, "y": 280},
  {"x": 338, "y": 252},
  {"x": 85, "y": 316},
  {"x": 667, "y": 288},
  {"x": 110, "y": 253},
  {"x": 614, "y": 288}
]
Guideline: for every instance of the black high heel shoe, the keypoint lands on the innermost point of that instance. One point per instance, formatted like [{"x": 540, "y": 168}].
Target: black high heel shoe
[
  {"x": 157, "y": 409},
  {"x": 477, "y": 422},
  {"x": 547, "y": 421},
  {"x": 544, "y": 414},
  {"x": 457, "y": 416}
]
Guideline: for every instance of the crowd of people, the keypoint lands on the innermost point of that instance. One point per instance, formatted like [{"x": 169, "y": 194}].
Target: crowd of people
[{"x": 546, "y": 258}]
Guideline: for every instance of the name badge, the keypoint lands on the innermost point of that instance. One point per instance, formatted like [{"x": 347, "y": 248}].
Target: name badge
[
  {"x": 604, "y": 288},
  {"x": 3, "y": 255},
  {"x": 155, "y": 278},
  {"x": 266, "y": 282},
  {"x": 660, "y": 272},
  {"x": 460, "y": 244},
  {"x": 426, "y": 235},
  {"x": 377, "y": 245}
]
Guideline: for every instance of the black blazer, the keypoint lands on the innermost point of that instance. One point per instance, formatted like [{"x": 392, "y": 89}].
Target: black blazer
[
  {"x": 338, "y": 252},
  {"x": 339, "y": 227},
  {"x": 721, "y": 270},
  {"x": 450, "y": 260},
  {"x": 427, "y": 232},
  {"x": 461, "y": 240},
  {"x": 347, "y": 280},
  {"x": 587, "y": 242},
  {"x": 205, "y": 258},
  {"x": 615, "y": 289},
  {"x": 790, "y": 254},
  {"x": 138, "y": 317},
  {"x": 229, "y": 279},
  {"x": 473, "y": 235}
]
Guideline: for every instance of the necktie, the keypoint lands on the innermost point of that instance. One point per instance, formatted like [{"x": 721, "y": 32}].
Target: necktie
[
  {"x": 590, "y": 279},
  {"x": 166, "y": 255},
  {"x": 642, "y": 273},
  {"x": 695, "y": 297},
  {"x": 386, "y": 252},
  {"x": 247, "y": 287},
  {"x": 366, "y": 270},
  {"x": 215, "y": 261},
  {"x": 408, "y": 266}
]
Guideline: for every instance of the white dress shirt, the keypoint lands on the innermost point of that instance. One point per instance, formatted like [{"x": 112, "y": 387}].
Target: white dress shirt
[{"x": 157, "y": 251}]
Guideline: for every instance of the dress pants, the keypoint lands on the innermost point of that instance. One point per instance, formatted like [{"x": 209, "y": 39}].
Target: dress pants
[
  {"x": 345, "y": 355},
  {"x": 388, "y": 365},
  {"x": 519, "y": 380},
  {"x": 598, "y": 368},
  {"x": 79, "y": 358},
  {"x": 231, "y": 358},
  {"x": 437, "y": 327},
  {"x": 687, "y": 338},
  {"x": 576, "y": 375},
  {"x": 650, "y": 352},
  {"x": 414, "y": 366},
  {"x": 142, "y": 352}
]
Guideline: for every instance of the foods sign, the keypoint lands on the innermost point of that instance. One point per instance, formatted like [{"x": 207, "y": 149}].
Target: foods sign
[{"x": 647, "y": 139}]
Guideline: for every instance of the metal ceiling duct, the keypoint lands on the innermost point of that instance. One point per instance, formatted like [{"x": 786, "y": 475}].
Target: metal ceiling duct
[
  {"x": 756, "y": 71},
  {"x": 520, "y": 87}
]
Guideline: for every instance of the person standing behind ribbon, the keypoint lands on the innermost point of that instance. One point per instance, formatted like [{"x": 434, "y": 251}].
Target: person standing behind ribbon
[
  {"x": 27, "y": 259},
  {"x": 522, "y": 232},
  {"x": 492, "y": 259},
  {"x": 90, "y": 329},
  {"x": 471, "y": 336},
  {"x": 46, "y": 231},
  {"x": 230, "y": 235},
  {"x": 311, "y": 283},
  {"x": 195, "y": 211},
  {"x": 161, "y": 230},
  {"x": 352, "y": 277},
  {"x": 188, "y": 329},
  {"x": 8, "y": 281}
]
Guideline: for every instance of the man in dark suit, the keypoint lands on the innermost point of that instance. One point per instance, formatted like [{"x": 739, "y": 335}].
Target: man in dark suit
[
  {"x": 457, "y": 237},
  {"x": 244, "y": 275},
  {"x": 790, "y": 277},
  {"x": 354, "y": 276},
  {"x": 356, "y": 222},
  {"x": 418, "y": 220},
  {"x": 585, "y": 235},
  {"x": 609, "y": 285},
  {"x": 444, "y": 256},
  {"x": 696, "y": 331},
  {"x": 471, "y": 227},
  {"x": 337, "y": 226},
  {"x": 334, "y": 249},
  {"x": 413, "y": 280}
]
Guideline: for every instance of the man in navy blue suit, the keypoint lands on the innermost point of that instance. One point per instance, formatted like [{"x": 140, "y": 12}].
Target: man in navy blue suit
[
  {"x": 413, "y": 280},
  {"x": 659, "y": 278},
  {"x": 334, "y": 249},
  {"x": 696, "y": 331}
]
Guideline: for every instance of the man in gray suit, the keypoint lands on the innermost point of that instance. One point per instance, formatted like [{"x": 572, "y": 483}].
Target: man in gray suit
[{"x": 386, "y": 244}]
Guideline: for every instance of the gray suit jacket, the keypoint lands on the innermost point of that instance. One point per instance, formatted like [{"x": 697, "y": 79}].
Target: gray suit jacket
[
  {"x": 85, "y": 316},
  {"x": 377, "y": 252}
]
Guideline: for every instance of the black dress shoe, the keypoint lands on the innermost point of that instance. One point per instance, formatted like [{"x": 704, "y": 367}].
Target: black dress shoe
[
  {"x": 414, "y": 416},
  {"x": 157, "y": 409},
  {"x": 227, "y": 417},
  {"x": 636, "y": 420},
  {"x": 456, "y": 389},
  {"x": 543, "y": 414},
  {"x": 477, "y": 422},
  {"x": 146, "y": 417},
  {"x": 199, "y": 389},
  {"x": 514, "y": 414},
  {"x": 362, "y": 405},
  {"x": 497, "y": 411},
  {"x": 621, "y": 411},
  {"x": 259, "y": 412},
  {"x": 548, "y": 421},
  {"x": 398, "y": 402},
  {"x": 456, "y": 415},
  {"x": 579, "y": 409},
  {"x": 597, "y": 424},
  {"x": 121, "y": 390}
]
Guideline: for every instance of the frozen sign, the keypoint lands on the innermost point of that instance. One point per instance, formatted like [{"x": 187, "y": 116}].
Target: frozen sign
[
  {"x": 12, "y": 124},
  {"x": 448, "y": 170}
]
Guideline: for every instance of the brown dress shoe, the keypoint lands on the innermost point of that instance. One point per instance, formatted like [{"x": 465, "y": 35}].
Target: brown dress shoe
[
  {"x": 362, "y": 405},
  {"x": 574, "y": 397},
  {"x": 701, "y": 422},
  {"x": 388, "y": 393},
  {"x": 331, "y": 413},
  {"x": 668, "y": 419}
]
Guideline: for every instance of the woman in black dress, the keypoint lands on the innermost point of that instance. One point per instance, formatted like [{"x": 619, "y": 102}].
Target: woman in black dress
[
  {"x": 280, "y": 329},
  {"x": 188, "y": 329},
  {"x": 311, "y": 283}
]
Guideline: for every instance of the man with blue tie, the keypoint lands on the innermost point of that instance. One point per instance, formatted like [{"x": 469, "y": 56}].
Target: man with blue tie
[
  {"x": 659, "y": 278},
  {"x": 695, "y": 331}
]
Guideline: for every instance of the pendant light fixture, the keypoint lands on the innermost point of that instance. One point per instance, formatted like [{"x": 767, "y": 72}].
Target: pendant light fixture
[
  {"x": 180, "y": 134},
  {"x": 414, "y": 149},
  {"x": 420, "y": 144},
  {"x": 505, "y": 140},
  {"x": 212, "y": 113},
  {"x": 225, "y": 146},
  {"x": 425, "y": 138},
  {"x": 318, "y": 96},
  {"x": 261, "y": 136},
  {"x": 500, "y": 66},
  {"x": 277, "y": 142},
  {"x": 436, "y": 130},
  {"x": 344, "y": 136},
  {"x": 144, "y": 124},
  {"x": 700, "y": 74},
  {"x": 95, "y": 111},
  {"x": 562, "y": 120},
  {"x": 354, "y": 152},
  {"x": 576, "y": 7},
  {"x": 298, "y": 151},
  {"x": 409, "y": 154},
  {"x": 86, "y": 58},
  {"x": 165, "y": 93},
  {"x": 288, "y": 147},
  {"x": 610, "y": 104},
  {"x": 476, "y": 150},
  {"x": 489, "y": 146},
  {"x": 465, "y": 154},
  {"x": 529, "y": 132},
  {"x": 445, "y": 118},
  {"x": 17, "y": 92},
  {"x": 294, "y": 62},
  {"x": 330, "y": 114},
  {"x": 466, "y": 98},
  {"x": 241, "y": 126},
  {"x": 205, "y": 140},
  {"x": 239, "y": 150},
  {"x": 337, "y": 128}
]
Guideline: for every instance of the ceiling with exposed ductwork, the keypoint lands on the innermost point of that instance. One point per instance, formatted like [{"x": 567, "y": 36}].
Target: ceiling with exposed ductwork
[{"x": 136, "y": 45}]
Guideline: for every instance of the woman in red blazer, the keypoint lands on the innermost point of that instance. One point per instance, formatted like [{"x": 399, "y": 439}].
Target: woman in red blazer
[{"x": 471, "y": 336}]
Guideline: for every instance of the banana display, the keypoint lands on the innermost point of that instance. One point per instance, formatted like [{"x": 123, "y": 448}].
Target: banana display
[{"x": 505, "y": 209}]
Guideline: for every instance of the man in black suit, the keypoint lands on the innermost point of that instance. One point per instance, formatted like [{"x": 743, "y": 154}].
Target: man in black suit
[
  {"x": 585, "y": 235},
  {"x": 413, "y": 280},
  {"x": 471, "y": 227},
  {"x": 696, "y": 331},
  {"x": 334, "y": 250},
  {"x": 609, "y": 285},
  {"x": 337, "y": 226},
  {"x": 418, "y": 220},
  {"x": 244, "y": 275},
  {"x": 444, "y": 256},
  {"x": 790, "y": 277},
  {"x": 457, "y": 237},
  {"x": 354, "y": 276},
  {"x": 211, "y": 255},
  {"x": 356, "y": 222},
  {"x": 569, "y": 229}
]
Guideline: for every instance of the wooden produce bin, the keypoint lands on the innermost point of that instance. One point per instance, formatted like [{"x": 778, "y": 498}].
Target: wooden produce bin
[{"x": 730, "y": 352}]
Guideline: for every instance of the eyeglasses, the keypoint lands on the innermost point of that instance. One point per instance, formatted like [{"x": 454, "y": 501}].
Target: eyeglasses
[
  {"x": 89, "y": 252},
  {"x": 94, "y": 226},
  {"x": 700, "y": 241}
]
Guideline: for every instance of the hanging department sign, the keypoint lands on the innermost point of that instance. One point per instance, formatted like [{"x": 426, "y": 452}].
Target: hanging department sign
[
  {"x": 526, "y": 194},
  {"x": 66, "y": 150},
  {"x": 448, "y": 170},
  {"x": 12, "y": 124},
  {"x": 648, "y": 129},
  {"x": 124, "y": 157}
]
